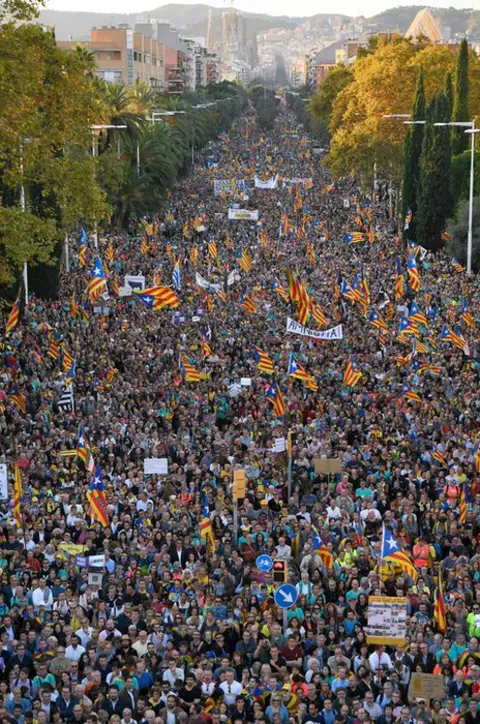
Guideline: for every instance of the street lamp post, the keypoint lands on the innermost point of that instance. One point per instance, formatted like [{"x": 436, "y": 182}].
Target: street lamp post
[
  {"x": 95, "y": 155},
  {"x": 470, "y": 128}
]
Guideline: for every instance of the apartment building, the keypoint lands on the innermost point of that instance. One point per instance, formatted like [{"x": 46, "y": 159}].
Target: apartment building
[{"x": 124, "y": 55}]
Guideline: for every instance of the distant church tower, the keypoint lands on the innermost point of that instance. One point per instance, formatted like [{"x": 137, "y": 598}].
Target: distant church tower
[
  {"x": 424, "y": 24},
  {"x": 209, "y": 33}
]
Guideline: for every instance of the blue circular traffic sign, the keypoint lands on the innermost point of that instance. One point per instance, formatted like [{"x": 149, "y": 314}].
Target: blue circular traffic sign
[
  {"x": 286, "y": 596},
  {"x": 264, "y": 563}
]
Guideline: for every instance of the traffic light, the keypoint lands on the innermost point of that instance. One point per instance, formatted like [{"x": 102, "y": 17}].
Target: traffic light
[{"x": 279, "y": 571}]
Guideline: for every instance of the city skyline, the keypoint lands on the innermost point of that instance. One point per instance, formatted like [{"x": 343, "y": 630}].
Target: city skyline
[{"x": 269, "y": 7}]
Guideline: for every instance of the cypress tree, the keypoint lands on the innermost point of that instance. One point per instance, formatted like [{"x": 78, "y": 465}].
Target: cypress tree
[
  {"x": 413, "y": 150},
  {"x": 448, "y": 90},
  {"x": 460, "y": 99},
  {"x": 434, "y": 201}
]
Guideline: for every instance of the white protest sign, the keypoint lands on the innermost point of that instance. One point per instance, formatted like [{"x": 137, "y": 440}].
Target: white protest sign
[
  {"x": 242, "y": 214},
  {"x": 205, "y": 284},
  {"x": 246, "y": 381},
  {"x": 155, "y": 466},
  {"x": 3, "y": 481},
  {"x": 132, "y": 281},
  {"x": 96, "y": 561},
  {"x": 280, "y": 444}
]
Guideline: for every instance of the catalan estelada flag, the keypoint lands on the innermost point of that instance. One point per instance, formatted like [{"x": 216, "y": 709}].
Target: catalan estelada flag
[
  {"x": 455, "y": 337},
  {"x": 351, "y": 376},
  {"x": 319, "y": 547},
  {"x": 17, "y": 495},
  {"x": 244, "y": 259},
  {"x": 97, "y": 499},
  {"x": 415, "y": 315},
  {"x": 353, "y": 237},
  {"x": 399, "y": 289},
  {"x": 247, "y": 303},
  {"x": 413, "y": 272},
  {"x": 13, "y": 317},
  {"x": 206, "y": 530},
  {"x": 439, "y": 607},
  {"x": 162, "y": 297},
  {"x": 410, "y": 394},
  {"x": 376, "y": 320},
  {"x": 457, "y": 266},
  {"x": 296, "y": 370},
  {"x": 277, "y": 287},
  {"x": 274, "y": 395},
  {"x": 391, "y": 552},
  {"x": 264, "y": 363},
  {"x": 348, "y": 292},
  {"x": 466, "y": 316},
  {"x": 98, "y": 281}
]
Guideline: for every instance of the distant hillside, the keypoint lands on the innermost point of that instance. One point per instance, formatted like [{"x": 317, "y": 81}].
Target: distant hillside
[
  {"x": 192, "y": 20},
  {"x": 460, "y": 21}
]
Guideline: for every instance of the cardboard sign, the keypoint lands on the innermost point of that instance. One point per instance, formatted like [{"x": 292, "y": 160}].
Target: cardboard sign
[
  {"x": 426, "y": 686},
  {"x": 387, "y": 620},
  {"x": 155, "y": 466},
  {"x": 327, "y": 466}
]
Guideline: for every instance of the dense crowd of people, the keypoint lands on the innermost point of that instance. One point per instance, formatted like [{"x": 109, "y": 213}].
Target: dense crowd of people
[{"x": 178, "y": 626}]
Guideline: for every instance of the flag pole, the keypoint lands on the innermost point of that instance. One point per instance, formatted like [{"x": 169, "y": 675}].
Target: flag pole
[{"x": 290, "y": 466}]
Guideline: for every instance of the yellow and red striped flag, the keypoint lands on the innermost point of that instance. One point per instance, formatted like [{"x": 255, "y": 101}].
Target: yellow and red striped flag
[{"x": 17, "y": 495}]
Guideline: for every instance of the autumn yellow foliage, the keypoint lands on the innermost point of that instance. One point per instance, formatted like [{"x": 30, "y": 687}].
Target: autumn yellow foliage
[{"x": 384, "y": 83}]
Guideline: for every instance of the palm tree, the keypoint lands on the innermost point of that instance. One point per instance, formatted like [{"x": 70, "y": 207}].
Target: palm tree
[
  {"x": 117, "y": 112},
  {"x": 87, "y": 58},
  {"x": 142, "y": 98}
]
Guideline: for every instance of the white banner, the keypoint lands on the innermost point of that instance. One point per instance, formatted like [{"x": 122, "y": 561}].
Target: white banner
[
  {"x": 228, "y": 186},
  {"x": 291, "y": 181},
  {"x": 297, "y": 328},
  {"x": 271, "y": 183},
  {"x": 243, "y": 214},
  {"x": 205, "y": 284},
  {"x": 3, "y": 482}
]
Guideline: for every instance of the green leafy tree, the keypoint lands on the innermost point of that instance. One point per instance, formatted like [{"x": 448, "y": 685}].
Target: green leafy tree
[
  {"x": 266, "y": 105},
  {"x": 413, "y": 150},
  {"x": 20, "y": 9},
  {"x": 434, "y": 197},
  {"x": 461, "y": 99},
  {"x": 47, "y": 177},
  {"x": 457, "y": 228},
  {"x": 321, "y": 104}
]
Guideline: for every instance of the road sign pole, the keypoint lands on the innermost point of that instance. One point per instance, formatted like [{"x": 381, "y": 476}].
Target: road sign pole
[
  {"x": 235, "y": 521},
  {"x": 285, "y": 620}
]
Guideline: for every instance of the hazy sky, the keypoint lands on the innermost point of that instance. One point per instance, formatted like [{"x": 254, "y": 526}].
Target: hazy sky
[{"x": 272, "y": 7}]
